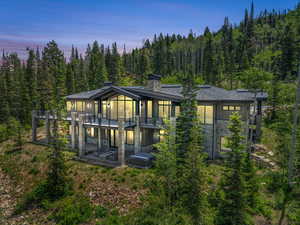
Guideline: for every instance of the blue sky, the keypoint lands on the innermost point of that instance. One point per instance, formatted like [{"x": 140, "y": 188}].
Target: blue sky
[{"x": 78, "y": 22}]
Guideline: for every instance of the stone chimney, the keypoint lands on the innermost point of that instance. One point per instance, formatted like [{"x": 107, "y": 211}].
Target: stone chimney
[
  {"x": 153, "y": 82},
  {"x": 107, "y": 83}
]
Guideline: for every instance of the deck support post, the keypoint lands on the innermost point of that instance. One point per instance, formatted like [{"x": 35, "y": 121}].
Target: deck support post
[
  {"x": 173, "y": 130},
  {"x": 155, "y": 111},
  {"x": 99, "y": 139},
  {"x": 73, "y": 130},
  {"x": 121, "y": 147},
  {"x": 258, "y": 121},
  {"x": 81, "y": 136},
  {"x": 47, "y": 126},
  {"x": 34, "y": 125},
  {"x": 137, "y": 135}
]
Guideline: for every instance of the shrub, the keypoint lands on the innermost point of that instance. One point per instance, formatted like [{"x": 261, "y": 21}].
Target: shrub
[
  {"x": 42, "y": 192},
  {"x": 34, "y": 171},
  {"x": 30, "y": 198},
  {"x": 100, "y": 211},
  {"x": 72, "y": 210}
]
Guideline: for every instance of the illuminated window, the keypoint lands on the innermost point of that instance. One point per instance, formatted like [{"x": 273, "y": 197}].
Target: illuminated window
[
  {"x": 88, "y": 106},
  {"x": 104, "y": 108},
  {"x": 96, "y": 107},
  {"x": 161, "y": 135},
  {"x": 118, "y": 107},
  {"x": 149, "y": 109},
  {"x": 90, "y": 131},
  {"x": 129, "y": 137},
  {"x": 114, "y": 138},
  {"x": 69, "y": 106},
  {"x": 205, "y": 114},
  {"x": 224, "y": 144},
  {"x": 79, "y": 106},
  {"x": 231, "y": 108},
  {"x": 177, "y": 111},
  {"x": 209, "y": 114},
  {"x": 164, "y": 109}
]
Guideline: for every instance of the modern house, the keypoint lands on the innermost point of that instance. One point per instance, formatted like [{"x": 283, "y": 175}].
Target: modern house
[{"x": 114, "y": 122}]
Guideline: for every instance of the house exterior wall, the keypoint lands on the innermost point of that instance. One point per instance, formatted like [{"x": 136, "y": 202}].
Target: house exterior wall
[
  {"x": 212, "y": 132},
  {"x": 149, "y": 136}
]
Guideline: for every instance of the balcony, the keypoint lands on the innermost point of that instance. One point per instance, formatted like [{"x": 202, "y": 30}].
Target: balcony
[{"x": 99, "y": 120}]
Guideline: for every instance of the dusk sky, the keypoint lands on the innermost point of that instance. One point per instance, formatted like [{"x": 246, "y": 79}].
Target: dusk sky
[{"x": 79, "y": 22}]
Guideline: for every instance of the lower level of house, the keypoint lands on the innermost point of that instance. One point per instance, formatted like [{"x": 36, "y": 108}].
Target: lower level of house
[{"x": 115, "y": 140}]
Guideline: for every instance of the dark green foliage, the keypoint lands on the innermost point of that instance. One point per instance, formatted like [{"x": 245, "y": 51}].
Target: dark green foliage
[
  {"x": 233, "y": 208},
  {"x": 100, "y": 211},
  {"x": 72, "y": 210}
]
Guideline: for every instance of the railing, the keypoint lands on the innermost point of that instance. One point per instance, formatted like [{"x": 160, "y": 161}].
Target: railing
[
  {"x": 99, "y": 119},
  {"x": 156, "y": 121}
]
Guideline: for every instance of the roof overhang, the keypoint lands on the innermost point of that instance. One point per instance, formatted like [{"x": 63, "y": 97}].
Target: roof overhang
[{"x": 113, "y": 90}]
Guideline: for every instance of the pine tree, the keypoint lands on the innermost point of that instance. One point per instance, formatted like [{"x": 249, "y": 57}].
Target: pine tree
[
  {"x": 54, "y": 69},
  {"x": 195, "y": 180},
  {"x": 234, "y": 208},
  {"x": 116, "y": 67},
  {"x": 96, "y": 67},
  {"x": 31, "y": 78}
]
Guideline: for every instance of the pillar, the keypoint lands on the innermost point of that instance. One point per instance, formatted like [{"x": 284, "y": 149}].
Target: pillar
[
  {"x": 155, "y": 111},
  {"x": 99, "y": 140},
  {"x": 258, "y": 121},
  {"x": 121, "y": 147},
  {"x": 173, "y": 131},
  {"x": 81, "y": 136},
  {"x": 137, "y": 135},
  {"x": 47, "y": 126},
  {"x": 73, "y": 130},
  {"x": 34, "y": 125}
]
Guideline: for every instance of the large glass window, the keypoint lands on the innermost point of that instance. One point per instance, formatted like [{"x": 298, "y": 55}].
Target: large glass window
[
  {"x": 205, "y": 114},
  {"x": 90, "y": 131},
  {"x": 69, "y": 106},
  {"x": 114, "y": 138},
  {"x": 118, "y": 107},
  {"x": 104, "y": 109},
  {"x": 177, "y": 110},
  {"x": 164, "y": 109},
  {"x": 224, "y": 144},
  {"x": 80, "y": 106},
  {"x": 129, "y": 137},
  {"x": 96, "y": 107},
  {"x": 161, "y": 135},
  {"x": 231, "y": 108},
  {"x": 88, "y": 106},
  {"x": 149, "y": 109}
]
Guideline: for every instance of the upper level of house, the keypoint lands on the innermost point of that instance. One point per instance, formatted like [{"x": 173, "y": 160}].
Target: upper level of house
[{"x": 157, "y": 101}]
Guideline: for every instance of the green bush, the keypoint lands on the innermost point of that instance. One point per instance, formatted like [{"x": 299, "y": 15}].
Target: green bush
[
  {"x": 100, "y": 211},
  {"x": 31, "y": 198},
  {"x": 72, "y": 210},
  {"x": 42, "y": 192},
  {"x": 34, "y": 171}
]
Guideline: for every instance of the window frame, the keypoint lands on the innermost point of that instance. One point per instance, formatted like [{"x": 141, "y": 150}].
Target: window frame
[
  {"x": 166, "y": 107},
  {"x": 116, "y": 101},
  {"x": 126, "y": 137},
  {"x": 231, "y": 108},
  {"x": 204, "y": 114}
]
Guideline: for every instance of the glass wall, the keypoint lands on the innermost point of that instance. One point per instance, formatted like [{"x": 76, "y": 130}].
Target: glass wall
[
  {"x": 129, "y": 137},
  {"x": 114, "y": 138},
  {"x": 118, "y": 107},
  {"x": 205, "y": 114},
  {"x": 164, "y": 109},
  {"x": 149, "y": 108},
  {"x": 71, "y": 106}
]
